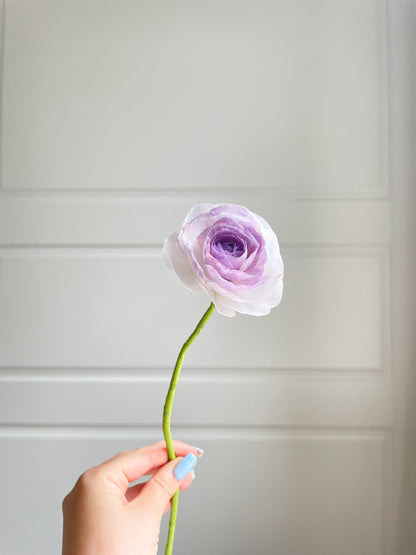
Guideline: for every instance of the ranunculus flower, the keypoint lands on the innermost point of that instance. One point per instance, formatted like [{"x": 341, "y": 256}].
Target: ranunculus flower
[{"x": 231, "y": 254}]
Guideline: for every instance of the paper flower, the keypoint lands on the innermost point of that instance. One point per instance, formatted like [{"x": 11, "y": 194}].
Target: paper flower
[
  {"x": 230, "y": 254},
  {"x": 233, "y": 256}
]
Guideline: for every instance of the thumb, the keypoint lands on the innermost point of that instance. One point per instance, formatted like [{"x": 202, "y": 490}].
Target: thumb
[{"x": 158, "y": 491}]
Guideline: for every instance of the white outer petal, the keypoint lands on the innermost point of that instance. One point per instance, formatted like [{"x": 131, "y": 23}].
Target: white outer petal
[
  {"x": 178, "y": 261},
  {"x": 257, "y": 301},
  {"x": 228, "y": 307},
  {"x": 223, "y": 305},
  {"x": 196, "y": 211}
]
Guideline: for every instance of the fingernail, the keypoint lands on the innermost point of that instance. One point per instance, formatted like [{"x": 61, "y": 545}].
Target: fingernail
[
  {"x": 193, "y": 474},
  {"x": 185, "y": 466},
  {"x": 199, "y": 452}
]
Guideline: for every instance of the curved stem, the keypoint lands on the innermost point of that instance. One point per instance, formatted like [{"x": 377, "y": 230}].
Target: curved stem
[{"x": 167, "y": 411}]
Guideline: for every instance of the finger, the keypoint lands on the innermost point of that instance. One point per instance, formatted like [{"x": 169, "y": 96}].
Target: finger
[
  {"x": 133, "y": 491},
  {"x": 186, "y": 482},
  {"x": 157, "y": 492},
  {"x": 128, "y": 466}
]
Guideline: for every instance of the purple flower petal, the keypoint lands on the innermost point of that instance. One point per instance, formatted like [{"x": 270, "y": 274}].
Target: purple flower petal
[{"x": 231, "y": 254}]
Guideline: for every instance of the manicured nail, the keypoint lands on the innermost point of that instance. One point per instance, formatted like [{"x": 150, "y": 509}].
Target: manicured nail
[
  {"x": 199, "y": 452},
  {"x": 185, "y": 466}
]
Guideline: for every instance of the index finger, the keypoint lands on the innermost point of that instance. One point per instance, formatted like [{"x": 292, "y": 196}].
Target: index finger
[{"x": 128, "y": 466}]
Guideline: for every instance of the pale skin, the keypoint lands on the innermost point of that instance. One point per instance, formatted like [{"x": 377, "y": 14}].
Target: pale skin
[{"x": 103, "y": 516}]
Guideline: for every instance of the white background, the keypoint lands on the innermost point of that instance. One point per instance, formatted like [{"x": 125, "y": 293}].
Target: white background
[{"x": 117, "y": 117}]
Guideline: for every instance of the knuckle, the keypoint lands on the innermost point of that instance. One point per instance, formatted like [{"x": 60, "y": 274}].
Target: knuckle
[
  {"x": 65, "y": 502},
  {"x": 88, "y": 478},
  {"x": 118, "y": 455},
  {"x": 86, "y": 482}
]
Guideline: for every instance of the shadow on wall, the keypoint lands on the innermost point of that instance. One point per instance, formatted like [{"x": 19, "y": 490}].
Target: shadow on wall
[{"x": 404, "y": 258}]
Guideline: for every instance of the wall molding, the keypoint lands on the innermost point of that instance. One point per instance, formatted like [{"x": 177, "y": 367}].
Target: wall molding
[
  {"x": 227, "y": 433},
  {"x": 381, "y": 254},
  {"x": 379, "y": 192}
]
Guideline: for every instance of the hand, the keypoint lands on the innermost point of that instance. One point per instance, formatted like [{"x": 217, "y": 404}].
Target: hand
[{"x": 103, "y": 516}]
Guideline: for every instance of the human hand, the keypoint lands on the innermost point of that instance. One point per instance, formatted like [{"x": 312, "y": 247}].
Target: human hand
[{"x": 103, "y": 516}]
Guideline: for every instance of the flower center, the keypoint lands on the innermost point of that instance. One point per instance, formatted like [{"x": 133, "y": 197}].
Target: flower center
[{"x": 230, "y": 244}]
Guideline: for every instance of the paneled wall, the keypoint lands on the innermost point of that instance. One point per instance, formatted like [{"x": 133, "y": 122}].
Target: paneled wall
[{"x": 116, "y": 118}]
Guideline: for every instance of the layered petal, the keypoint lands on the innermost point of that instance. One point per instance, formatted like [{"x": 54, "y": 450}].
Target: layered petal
[
  {"x": 178, "y": 261},
  {"x": 232, "y": 255}
]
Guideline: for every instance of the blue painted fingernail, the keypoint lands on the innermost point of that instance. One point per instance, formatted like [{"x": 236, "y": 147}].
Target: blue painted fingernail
[{"x": 185, "y": 466}]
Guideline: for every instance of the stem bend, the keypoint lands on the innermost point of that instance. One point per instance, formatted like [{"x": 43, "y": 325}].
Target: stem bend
[{"x": 167, "y": 412}]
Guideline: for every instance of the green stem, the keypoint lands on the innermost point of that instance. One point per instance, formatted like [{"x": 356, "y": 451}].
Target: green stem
[{"x": 167, "y": 411}]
